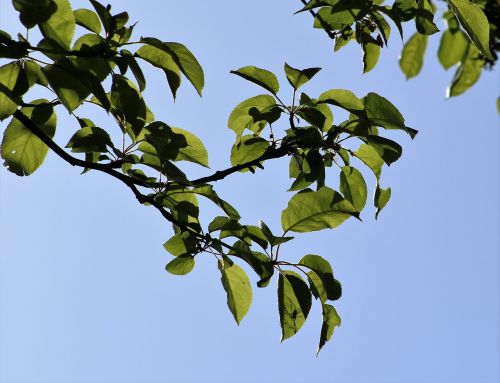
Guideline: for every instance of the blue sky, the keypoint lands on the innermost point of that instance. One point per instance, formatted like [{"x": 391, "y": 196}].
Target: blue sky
[{"x": 84, "y": 296}]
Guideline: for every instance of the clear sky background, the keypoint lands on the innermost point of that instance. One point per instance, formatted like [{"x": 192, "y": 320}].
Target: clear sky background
[{"x": 84, "y": 296}]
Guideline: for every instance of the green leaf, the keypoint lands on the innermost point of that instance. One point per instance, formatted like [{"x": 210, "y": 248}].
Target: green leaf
[
  {"x": 127, "y": 100},
  {"x": 412, "y": 56},
  {"x": 22, "y": 151},
  {"x": 68, "y": 87},
  {"x": 316, "y": 210},
  {"x": 13, "y": 83},
  {"x": 195, "y": 151},
  {"x": 181, "y": 265},
  {"x": 323, "y": 284},
  {"x": 242, "y": 118},
  {"x": 182, "y": 243},
  {"x": 261, "y": 77},
  {"x": 382, "y": 113},
  {"x": 371, "y": 53},
  {"x": 90, "y": 139},
  {"x": 60, "y": 27},
  {"x": 259, "y": 262},
  {"x": 452, "y": 48},
  {"x": 319, "y": 115},
  {"x": 33, "y": 12},
  {"x": 184, "y": 59},
  {"x": 298, "y": 77},
  {"x": 353, "y": 187},
  {"x": 342, "y": 98},
  {"x": 330, "y": 320},
  {"x": 294, "y": 303},
  {"x": 271, "y": 238},
  {"x": 130, "y": 62},
  {"x": 239, "y": 292},
  {"x": 381, "y": 198},
  {"x": 88, "y": 20},
  {"x": 475, "y": 23},
  {"x": 388, "y": 150},
  {"x": 164, "y": 61},
  {"x": 248, "y": 148},
  {"x": 35, "y": 74},
  {"x": 310, "y": 169},
  {"x": 467, "y": 74},
  {"x": 207, "y": 191},
  {"x": 424, "y": 19},
  {"x": 370, "y": 158}
]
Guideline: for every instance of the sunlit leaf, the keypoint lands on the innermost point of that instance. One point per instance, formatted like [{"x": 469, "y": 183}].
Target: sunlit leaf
[
  {"x": 237, "y": 285},
  {"x": 22, "y": 150},
  {"x": 316, "y": 210},
  {"x": 60, "y": 26},
  {"x": 294, "y": 303},
  {"x": 330, "y": 320},
  {"x": 342, "y": 98},
  {"x": 181, "y": 265},
  {"x": 164, "y": 61},
  {"x": 474, "y": 22},
  {"x": 242, "y": 116},
  {"x": 371, "y": 158},
  {"x": 381, "y": 198},
  {"x": 195, "y": 151},
  {"x": 353, "y": 187},
  {"x": 261, "y": 77},
  {"x": 467, "y": 74},
  {"x": 185, "y": 60},
  {"x": 298, "y": 77},
  {"x": 452, "y": 48},
  {"x": 88, "y": 19},
  {"x": 248, "y": 148},
  {"x": 412, "y": 56}
]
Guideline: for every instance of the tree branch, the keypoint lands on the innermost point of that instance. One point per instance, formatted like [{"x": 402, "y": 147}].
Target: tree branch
[
  {"x": 270, "y": 153},
  {"x": 128, "y": 181}
]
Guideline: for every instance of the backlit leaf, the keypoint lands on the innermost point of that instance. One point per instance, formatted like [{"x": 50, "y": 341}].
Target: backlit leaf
[
  {"x": 88, "y": 19},
  {"x": 22, "y": 151},
  {"x": 381, "y": 198},
  {"x": 316, "y": 210},
  {"x": 181, "y": 265},
  {"x": 248, "y": 148},
  {"x": 330, "y": 320},
  {"x": 342, "y": 98},
  {"x": 412, "y": 56},
  {"x": 60, "y": 27},
  {"x": 353, "y": 187},
  {"x": 371, "y": 158},
  {"x": 294, "y": 303},
  {"x": 452, "y": 48},
  {"x": 185, "y": 60},
  {"x": 237, "y": 285},
  {"x": 261, "y": 77},
  {"x": 242, "y": 118},
  {"x": 467, "y": 74},
  {"x": 195, "y": 151},
  {"x": 474, "y": 22},
  {"x": 298, "y": 77}
]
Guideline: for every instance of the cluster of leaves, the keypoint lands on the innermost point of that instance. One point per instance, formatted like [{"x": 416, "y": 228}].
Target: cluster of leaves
[
  {"x": 97, "y": 69},
  {"x": 470, "y": 40}
]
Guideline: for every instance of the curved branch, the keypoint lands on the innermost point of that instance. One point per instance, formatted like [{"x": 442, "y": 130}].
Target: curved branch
[
  {"x": 269, "y": 154},
  {"x": 128, "y": 181}
]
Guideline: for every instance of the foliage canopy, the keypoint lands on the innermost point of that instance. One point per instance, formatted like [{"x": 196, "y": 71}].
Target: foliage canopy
[{"x": 88, "y": 56}]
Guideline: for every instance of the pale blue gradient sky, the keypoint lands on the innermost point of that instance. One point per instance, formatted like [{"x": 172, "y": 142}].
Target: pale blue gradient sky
[{"x": 83, "y": 292}]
